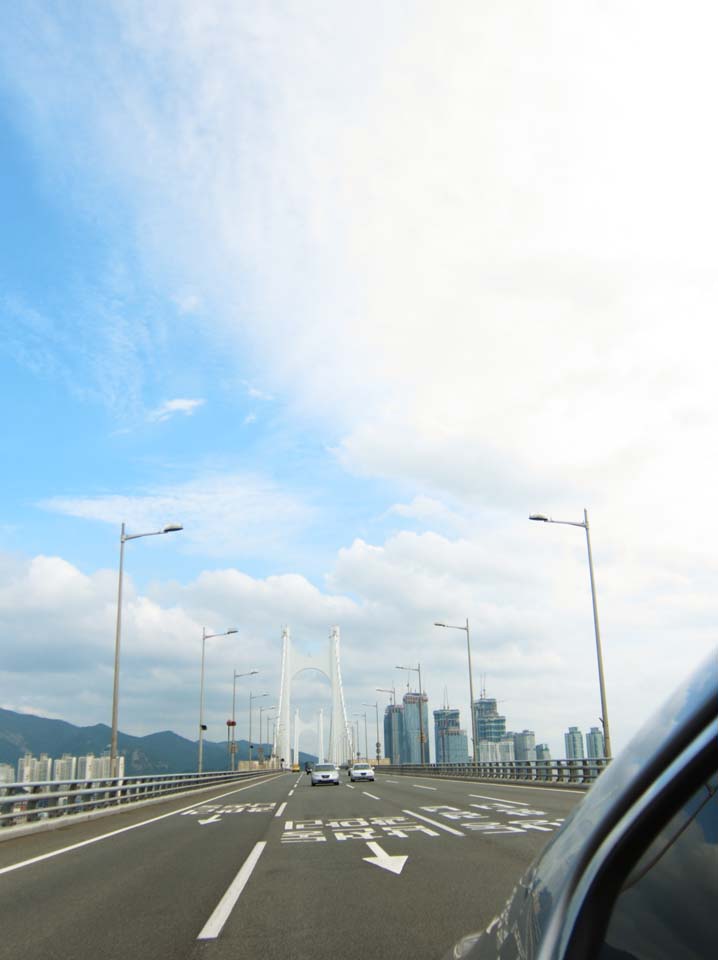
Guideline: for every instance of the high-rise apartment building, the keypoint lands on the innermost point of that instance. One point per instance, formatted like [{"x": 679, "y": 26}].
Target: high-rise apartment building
[
  {"x": 450, "y": 741},
  {"x": 595, "y": 747},
  {"x": 542, "y": 751},
  {"x": 413, "y": 750},
  {"x": 65, "y": 768},
  {"x": 7, "y": 773},
  {"x": 525, "y": 746},
  {"x": 573, "y": 739},
  {"x": 490, "y": 724},
  {"x": 393, "y": 732},
  {"x": 507, "y": 752}
]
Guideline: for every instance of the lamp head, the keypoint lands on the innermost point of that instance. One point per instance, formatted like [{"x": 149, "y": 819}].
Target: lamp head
[
  {"x": 231, "y": 631},
  {"x": 538, "y": 516},
  {"x": 439, "y": 624},
  {"x": 172, "y": 528}
]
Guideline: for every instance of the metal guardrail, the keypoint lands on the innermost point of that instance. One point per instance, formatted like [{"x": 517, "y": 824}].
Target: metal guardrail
[
  {"x": 570, "y": 772},
  {"x": 46, "y": 799}
]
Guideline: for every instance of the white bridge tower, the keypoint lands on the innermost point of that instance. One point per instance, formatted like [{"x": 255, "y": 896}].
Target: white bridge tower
[{"x": 328, "y": 664}]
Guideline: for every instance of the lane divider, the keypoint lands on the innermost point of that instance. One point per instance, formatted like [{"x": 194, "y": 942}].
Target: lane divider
[
  {"x": 290, "y": 793},
  {"x": 435, "y": 823},
  {"x": 480, "y": 796},
  {"x": 366, "y": 794},
  {"x": 212, "y": 929},
  {"x": 419, "y": 787},
  {"x": 281, "y": 809}
]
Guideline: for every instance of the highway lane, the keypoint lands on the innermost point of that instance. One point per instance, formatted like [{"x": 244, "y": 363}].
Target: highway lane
[{"x": 321, "y": 864}]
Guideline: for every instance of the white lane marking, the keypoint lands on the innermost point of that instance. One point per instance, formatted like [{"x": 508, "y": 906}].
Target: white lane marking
[
  {"x": 214, "y": 819},
  {"x": 392, "y": 781},
  {"x": 367, "y": 794},
  {"x": 280, "y": 811},
  {"x": 114, "y": 833},
  {"x": 511, "y": 786},
  {"x": 480, "y": 796},
  {"x": 435, "y": 823},
  {"x": 349, "y": 786},
  {"x": 212, "y": 929},
  {"x": 395, "y": 864},
  {"x": 290, "y": 793},
  {"x": 419, "y": 787}
]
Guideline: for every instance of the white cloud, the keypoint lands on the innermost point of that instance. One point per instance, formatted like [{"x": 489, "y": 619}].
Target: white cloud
[
  {"x": 171, "y": 407},
  {"x": 250, "y": 418},
  {"x": 222, "y": 513}
]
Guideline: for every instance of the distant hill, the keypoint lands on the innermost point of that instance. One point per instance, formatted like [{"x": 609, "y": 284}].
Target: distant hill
[{"x": 164, "y": 752}]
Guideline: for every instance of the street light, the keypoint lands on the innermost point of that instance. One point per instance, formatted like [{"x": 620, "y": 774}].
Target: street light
[
  {"x": 391, "y": 690},
  {"x": 232, "y": 745},
  {"x": 253, "y": 696},
  {"x": 205, "y": 637},
  {"x": 378, "y": 745},
  {"x": 451, "y": 626},
  {"x": 601, "y": 684},
  {"x": 422, "y": 738},
  {"x": 366, "y": 739},
  {"x": 168, "y": 528}
]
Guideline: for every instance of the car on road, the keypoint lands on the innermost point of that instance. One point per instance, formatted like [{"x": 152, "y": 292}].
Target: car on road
[
  {"x": 308, "y": 766},
  {"x": 325, "y": 773},
  {"x": 361, "y": 771},
  {"x": 633, "y": 872}
]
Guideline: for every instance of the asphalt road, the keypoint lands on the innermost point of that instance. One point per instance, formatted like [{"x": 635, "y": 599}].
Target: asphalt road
[{"x": 277, "y": 869}]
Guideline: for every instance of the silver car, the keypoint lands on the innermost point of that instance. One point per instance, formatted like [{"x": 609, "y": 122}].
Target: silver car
[
  {"x": 325, "y": 773},
  {"x": 361, "y": 771}
]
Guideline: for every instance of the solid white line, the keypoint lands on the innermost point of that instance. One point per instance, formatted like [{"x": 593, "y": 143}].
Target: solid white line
[
  {"x": 114, "y": 833},
  {"x": 366, "y": 794},
  {"x": 480, "y": 796},
  {"x": 419, "y": 787},
  {"x": 212, "y": 929},
  {"x": 290, "y": 793},
  {"x": 510, "y": 786},
  {"x": 435, "y": 823},
  {"x": 281, "y": 809}
]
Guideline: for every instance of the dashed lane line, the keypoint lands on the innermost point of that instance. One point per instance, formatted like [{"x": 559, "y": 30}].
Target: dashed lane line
[
  {"x": 419, "y": 787},
  {"x": 349, "y": 786},
  {"x": 290, "y": 793},
  {"x": 392, "y": 781},
  {"x": 114, "y": 833},
  {"x": 480, "y": 796},
  {"x": 212, "y": 929},
  {"x": 367, "y": 794},
  {"x": 280, "y": 809},
  {"x": 435, "y": 823}
]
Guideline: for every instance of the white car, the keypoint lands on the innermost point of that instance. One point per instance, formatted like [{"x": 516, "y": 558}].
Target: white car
[
  {"x": 361, "y": 771},
  {"x": 325, "y": 773}
]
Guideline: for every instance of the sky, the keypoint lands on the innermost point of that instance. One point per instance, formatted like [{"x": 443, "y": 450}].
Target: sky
[{"x": 349, "y": 291}]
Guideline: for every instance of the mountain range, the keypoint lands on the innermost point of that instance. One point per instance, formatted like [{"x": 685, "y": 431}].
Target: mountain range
[{"x": 164, "y": 752}]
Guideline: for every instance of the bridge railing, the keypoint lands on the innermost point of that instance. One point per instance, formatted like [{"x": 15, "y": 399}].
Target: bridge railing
[
  {"x": 575, "y": 773},
  {"x": 48, "y": 799}
]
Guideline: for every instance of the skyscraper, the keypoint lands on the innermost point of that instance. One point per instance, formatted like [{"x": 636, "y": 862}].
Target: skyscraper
[
  {"x": 490, "y": 724},
  {"x": 413, "y": 751},
  {"x": 525, "y": 746},
  {"x": 393, "y": 732},
  {"x": 574, "y": 744},
  {"x": 595, "y": 747},
  {"x": 450, "y": 741}
]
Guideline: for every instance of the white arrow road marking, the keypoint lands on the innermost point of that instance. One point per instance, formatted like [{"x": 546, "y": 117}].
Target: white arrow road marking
[
  {"x": 213, "y": 819},
  {"x": 212, "y": 929},
  {"x": 384, "y": 860}
]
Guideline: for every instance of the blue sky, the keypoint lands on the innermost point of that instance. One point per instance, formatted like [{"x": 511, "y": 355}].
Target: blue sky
[{"x": 349, "y": 293}]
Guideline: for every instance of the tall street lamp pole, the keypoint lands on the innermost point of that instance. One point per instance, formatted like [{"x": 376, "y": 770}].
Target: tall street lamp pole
[
  {"x": 450, "y": 626},
  {"x": 205, "y": 637},
  {"x": 233, "y": 724},
  {"x": 599, "y": 655},
  {"x": 124, "y": 537},
  {"x": 422, "y": 738},
  {"x": 391, "y": 690},
  {"x": 253, "y": 696},
  {"x": 378, "y": 744}
]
